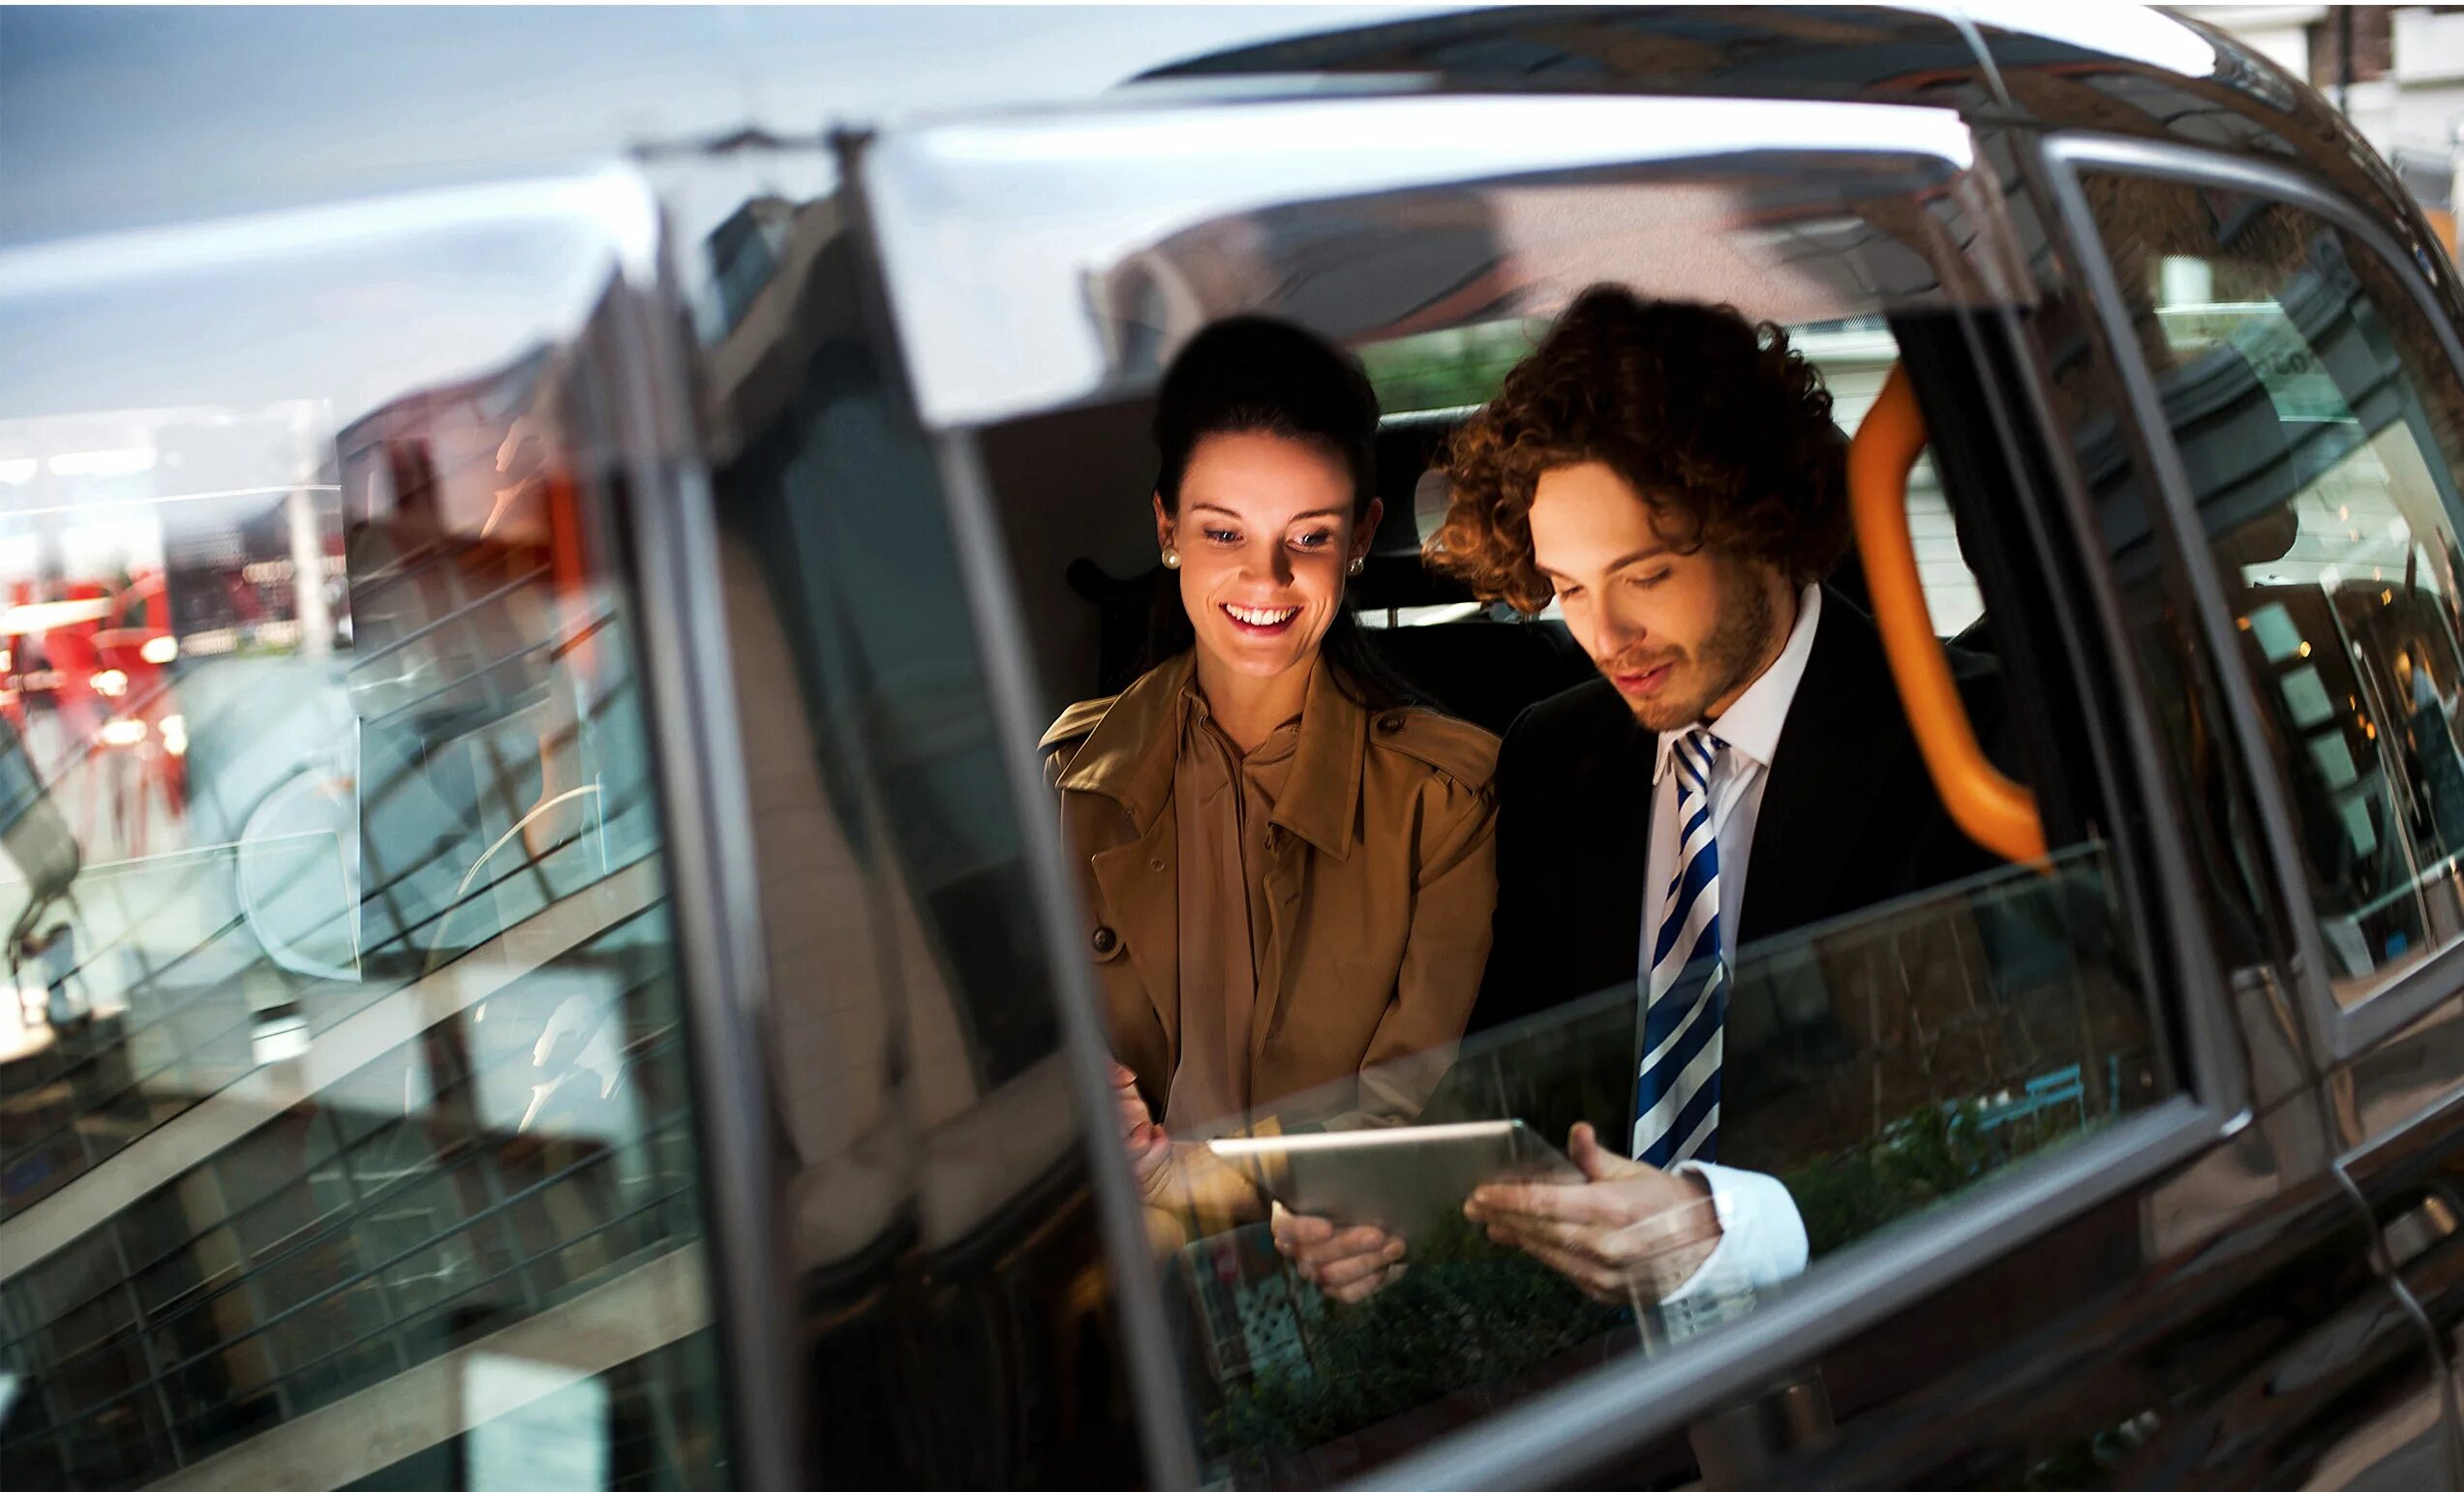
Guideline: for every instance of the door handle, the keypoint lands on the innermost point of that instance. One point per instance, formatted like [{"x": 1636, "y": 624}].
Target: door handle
[
  {"x": 1744, "y": 1445},
  {"x": 2412, "y": 1234}
]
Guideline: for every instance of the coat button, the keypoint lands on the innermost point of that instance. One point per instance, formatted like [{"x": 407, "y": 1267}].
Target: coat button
[
  {"x": 1391, "y": 723},
  {"x": 1106, "y": 940}
]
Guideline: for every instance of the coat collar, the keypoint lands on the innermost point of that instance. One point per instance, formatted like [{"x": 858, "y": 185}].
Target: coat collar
[{"x": 1130, "y": 756}]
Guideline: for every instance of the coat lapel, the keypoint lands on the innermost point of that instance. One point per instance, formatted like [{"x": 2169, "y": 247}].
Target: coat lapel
[
  {"x": 1127, "y": 760},
  {"x": 1827, "y": 777},
  {"x": 1612, "y": 789}
]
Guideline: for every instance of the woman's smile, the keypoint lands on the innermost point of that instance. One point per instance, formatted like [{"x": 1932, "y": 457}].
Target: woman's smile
[{"x": 1262, "y": 621}]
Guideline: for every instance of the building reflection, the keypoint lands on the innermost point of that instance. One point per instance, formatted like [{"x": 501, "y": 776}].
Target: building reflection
[{"x": 348, "y": 1069}]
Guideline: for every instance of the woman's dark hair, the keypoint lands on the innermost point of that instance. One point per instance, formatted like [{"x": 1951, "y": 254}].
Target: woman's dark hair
[{"x": 1251, "y": 374}]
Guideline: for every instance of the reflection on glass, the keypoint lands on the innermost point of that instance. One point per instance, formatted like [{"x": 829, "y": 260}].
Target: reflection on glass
[
  {"x": 2321, "y": 433},
  {"x": 1876, "y": 1066},
  {"x": 343, "y": 1036}
]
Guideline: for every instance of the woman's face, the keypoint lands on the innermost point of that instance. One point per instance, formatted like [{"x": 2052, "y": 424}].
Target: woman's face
[{"x": 1265, "y": 533}]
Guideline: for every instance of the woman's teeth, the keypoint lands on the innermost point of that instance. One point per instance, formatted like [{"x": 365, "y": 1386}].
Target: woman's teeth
[{"x": 1258, "y": 617}]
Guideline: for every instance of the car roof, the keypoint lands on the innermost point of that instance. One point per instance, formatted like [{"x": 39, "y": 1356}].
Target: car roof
[
  {"x": 2119, "y": 70},
  {"x": 123, "y": 118}
]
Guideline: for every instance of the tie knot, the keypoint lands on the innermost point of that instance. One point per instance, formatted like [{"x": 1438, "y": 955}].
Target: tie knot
[{"x": 1697, "y": 751}]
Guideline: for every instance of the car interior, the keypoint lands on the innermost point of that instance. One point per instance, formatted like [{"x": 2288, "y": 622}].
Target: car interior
[{"x": 1082, "y": 519}]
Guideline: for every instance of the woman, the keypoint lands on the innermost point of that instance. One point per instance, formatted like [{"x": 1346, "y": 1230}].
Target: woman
[{"x": 1289, "y": 872}]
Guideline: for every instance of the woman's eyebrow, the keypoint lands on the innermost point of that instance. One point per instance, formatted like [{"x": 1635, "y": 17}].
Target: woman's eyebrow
[{"x": 1315, "y": 512}]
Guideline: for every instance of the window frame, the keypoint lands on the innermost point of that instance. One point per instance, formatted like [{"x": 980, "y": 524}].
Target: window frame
[
  {"x": 1605, "y": 1413},
  {"x": 2337, "y": 1032}
]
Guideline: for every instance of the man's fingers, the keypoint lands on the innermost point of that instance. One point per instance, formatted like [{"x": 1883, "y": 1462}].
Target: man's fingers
[
  {"x": 1592, "y": 1245},
  {"x": 1544, "y": 1200},
  {"x": 1583, "y": 1239},
  {"x": 1586, "y": 1274}
]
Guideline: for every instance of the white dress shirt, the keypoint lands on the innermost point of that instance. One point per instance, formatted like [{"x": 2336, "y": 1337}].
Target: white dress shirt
[{"x": 1762, "y": 1238}]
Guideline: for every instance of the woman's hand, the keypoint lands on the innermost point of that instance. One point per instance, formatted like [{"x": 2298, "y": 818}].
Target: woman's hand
[
  {"x": 1149, "y": 1148},
  {"x": 1349, "y": 1264}
]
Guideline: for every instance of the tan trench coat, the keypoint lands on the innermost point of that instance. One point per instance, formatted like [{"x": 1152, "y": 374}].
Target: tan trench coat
[{"x": 1383, "y": 876}]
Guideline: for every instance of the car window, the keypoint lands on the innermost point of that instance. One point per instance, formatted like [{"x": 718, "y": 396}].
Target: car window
[
  {"x": 1887, "y": 1060},
  {"x": 2321, "y": 431},
  {"x": 343, "y": 1056}
]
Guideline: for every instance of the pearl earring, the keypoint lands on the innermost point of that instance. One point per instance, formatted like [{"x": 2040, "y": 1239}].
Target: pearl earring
[
  {"x": 1358, "y": 564},
  {"x": 1171, "y": 559}
]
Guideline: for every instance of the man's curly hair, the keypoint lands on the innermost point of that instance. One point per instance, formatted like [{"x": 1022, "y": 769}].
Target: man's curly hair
[{"x": 1712, "y": 418}]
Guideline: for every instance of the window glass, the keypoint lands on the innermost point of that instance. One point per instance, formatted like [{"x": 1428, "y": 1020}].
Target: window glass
[
  {"x": 343, "y": 1053},
  {"x": 2319, "y": 426},
  {"x": 1879, "y": 1066},
  {"x": 1887, "y": 1053}
]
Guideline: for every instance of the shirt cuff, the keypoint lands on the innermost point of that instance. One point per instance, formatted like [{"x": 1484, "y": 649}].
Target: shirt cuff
[{"x": 1762, "y": 1241}]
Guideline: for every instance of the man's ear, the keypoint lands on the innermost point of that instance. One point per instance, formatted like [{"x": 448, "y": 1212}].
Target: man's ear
[{"x": 1163, "y": 523}]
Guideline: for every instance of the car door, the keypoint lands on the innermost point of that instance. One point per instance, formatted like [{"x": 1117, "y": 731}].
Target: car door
[
  {"x": 2136, "y": 1210},
  {"x": 2328, "y": 543}
]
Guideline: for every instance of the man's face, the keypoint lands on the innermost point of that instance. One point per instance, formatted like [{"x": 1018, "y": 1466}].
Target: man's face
[{"x": 1681, "y": 635}]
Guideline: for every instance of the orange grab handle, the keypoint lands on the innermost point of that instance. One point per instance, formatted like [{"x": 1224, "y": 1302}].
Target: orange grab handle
[{"x": 1988, "y": 807}]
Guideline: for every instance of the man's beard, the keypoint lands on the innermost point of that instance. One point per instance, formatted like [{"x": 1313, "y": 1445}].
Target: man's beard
[{"x": 1727, "y": 658}]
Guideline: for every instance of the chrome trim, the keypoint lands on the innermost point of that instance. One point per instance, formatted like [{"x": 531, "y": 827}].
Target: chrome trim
[
  {"x": 610, "y": 203},
  {"x": 1974, "y": 36},
  {"x": 1589, "y": 1422},
  {"x": 2337, "y": 1032},
  {"x": 2391, "y": 1274},
  {"x": 1154, "y": 1369},
  {"x": 992, "y": 234},
  {"x": 713, "y": 882}
]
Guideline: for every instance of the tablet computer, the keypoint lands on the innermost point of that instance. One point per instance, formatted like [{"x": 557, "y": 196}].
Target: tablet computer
[{"x": 1407, "y": 1179}]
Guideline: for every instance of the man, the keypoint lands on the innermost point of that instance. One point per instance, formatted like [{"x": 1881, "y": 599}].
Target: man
[{"x": 1670, "y": 476}]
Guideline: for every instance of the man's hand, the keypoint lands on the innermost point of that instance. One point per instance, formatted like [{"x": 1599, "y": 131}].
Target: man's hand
[
  {"x": 1349, "y": 1264},
  {"x": 1149, "y": 1148},
  {"x": 1631, "y": 1229}
]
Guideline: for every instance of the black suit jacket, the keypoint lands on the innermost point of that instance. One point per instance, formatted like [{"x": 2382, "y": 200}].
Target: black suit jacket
[{"x": 1849, "y": 818}]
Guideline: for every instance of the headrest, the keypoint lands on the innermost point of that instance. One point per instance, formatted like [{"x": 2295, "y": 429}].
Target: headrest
[{"x": 1407, "y": 449}]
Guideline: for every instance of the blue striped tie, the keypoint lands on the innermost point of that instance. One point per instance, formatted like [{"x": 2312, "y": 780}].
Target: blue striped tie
[{"x": 1677, "y": 1089}]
